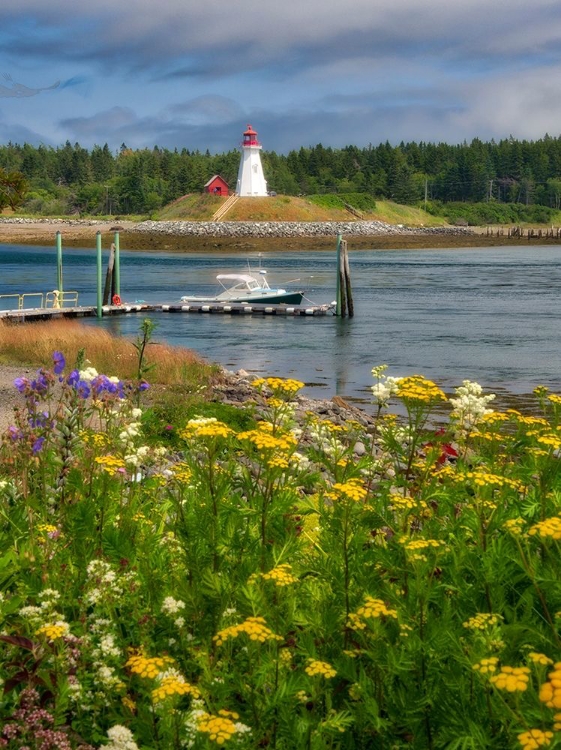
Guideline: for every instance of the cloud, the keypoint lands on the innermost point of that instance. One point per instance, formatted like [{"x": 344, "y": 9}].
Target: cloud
[
  {"x": 191, "y": 74},
  {"x": 207, "y": 36},
  {"x": 11, "y": 89}
]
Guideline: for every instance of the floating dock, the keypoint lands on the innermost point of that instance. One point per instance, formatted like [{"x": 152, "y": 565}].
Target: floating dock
[{"x": 216, "y": 308}]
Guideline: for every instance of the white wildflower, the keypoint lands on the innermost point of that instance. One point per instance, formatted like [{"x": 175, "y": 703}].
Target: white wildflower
[
  {"x": 470, "y": 406},
  {"x": 385, "y": 386},
  {"x": 32, "y": 613},
  {"x": 120, "y": 739},
  {"x": 171, "y": 606},
  {"x": 89, "y": 374},
  {"x": 51, "y": 594}
]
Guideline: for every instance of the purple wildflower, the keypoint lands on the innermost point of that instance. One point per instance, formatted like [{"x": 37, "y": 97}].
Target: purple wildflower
[
  {"x": 83, "y": 389},
  {"x": 39, "y": 420},
  {"x": 41, "y": 384},
  {"x": 143, "y": 385},
  {"x": 59, "y": 362},
  {"x": 37, "y": 445},
  {"x": 21, "y": 384},
  {"x": 14, "y": 433},
  {"x": 73, "y": 378}
]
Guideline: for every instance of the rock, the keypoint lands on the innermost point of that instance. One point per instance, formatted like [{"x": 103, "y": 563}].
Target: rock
[
  {"x": 243, "y": 229},
  {"x": 359, "y": 449}
]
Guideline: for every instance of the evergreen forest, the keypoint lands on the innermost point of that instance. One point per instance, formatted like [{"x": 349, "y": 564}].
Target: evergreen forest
[{"x": 477, "y": 182}]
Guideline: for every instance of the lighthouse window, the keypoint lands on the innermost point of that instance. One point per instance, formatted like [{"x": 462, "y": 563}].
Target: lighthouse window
[{"x": 255, "y": 167}]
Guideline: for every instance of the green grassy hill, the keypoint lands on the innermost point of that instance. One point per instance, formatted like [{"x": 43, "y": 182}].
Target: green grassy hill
[{"x": 201, "y": 207}]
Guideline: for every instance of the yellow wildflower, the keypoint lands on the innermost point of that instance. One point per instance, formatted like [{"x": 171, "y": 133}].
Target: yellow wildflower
[
  {"x": 538, "y": 658},
  {"x": 512, "y": 679},
  {"x": 321, "y": 668},
  {"x": 53, "y": 632},
  {"x": 182, "y": 472},
  {"x": 208, "y": 427},
  {"x": 552, "y": 441},
  {"x": 371, "y": 609},
  {"x": 264, "y": 440},
  {"x": 219, "y": 728},
  {"x": 514, "y": 526},
  {"x": 416, "y": 388},
  {"x": 549, "y": 527},
  {"x": 110, "y": 463},
  {"x": 173, "y": 684},
  {"x": 278, "y": 462},
  {"x": 482, "y": 478},
  {"x": 281, "y": 575},
  {"x": 413, "y": 545},
  {"x": 47, "y": 528},
  {"x": 280, "y": 387},
  {"x": 550, "y": 691},
  {"x": 353, "y": 489},
  {"x": 128, "y": 703},
  {"x": 254, "y": 627},
  {"x": 534, "y": 738},
  {"x": 399, "y": 502},
  {"x": 145, "y": 666},
  {"x": 482, "y": 621},
  {"x": 485, "y": 666}
]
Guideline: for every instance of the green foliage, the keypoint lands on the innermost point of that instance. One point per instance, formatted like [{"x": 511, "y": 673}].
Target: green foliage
[
  {"x": 509, "y": 172},
  {"x": 328, "y": 200},
  {"x": 13, "y": 188},
  {"x": 478, "y": 214},
  {"x": 255, "y": 583}
]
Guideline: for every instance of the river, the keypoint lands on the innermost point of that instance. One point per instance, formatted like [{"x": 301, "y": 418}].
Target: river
[{"x": 489, "y": 314}]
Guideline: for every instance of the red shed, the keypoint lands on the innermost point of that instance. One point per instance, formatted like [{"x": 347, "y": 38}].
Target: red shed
[{"x": 216, "y": 185}]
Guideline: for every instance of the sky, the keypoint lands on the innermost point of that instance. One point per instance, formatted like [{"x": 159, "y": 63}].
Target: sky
[{"x": 186, "y": 74}]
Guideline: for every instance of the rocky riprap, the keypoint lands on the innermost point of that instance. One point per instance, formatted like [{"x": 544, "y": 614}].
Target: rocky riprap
[
  {"x": 64, "y": 222},
  {"x": 236, "y": 389},
  {"x": 288, "y": 228}
]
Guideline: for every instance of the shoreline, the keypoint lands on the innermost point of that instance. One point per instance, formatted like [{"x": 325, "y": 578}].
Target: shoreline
[{"x": 172, "y": 237}]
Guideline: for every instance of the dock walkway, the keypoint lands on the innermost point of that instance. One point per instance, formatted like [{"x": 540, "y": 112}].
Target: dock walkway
[{"x": 239, "y": 308}]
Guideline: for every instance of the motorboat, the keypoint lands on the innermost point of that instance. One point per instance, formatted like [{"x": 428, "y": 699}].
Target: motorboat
[{"x": 251, "y": 287}]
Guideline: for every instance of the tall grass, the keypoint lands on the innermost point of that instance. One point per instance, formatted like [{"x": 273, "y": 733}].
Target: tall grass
[{"x": 34, "y": 343}]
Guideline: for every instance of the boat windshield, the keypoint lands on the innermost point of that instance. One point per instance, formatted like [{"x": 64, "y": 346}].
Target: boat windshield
[{"x": 241, "y": 281}]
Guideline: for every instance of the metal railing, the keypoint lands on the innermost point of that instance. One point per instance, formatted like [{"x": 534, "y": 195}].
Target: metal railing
[
  {"x": 66, "y": 299},
  {"x": 38, "y": 300},
  {"x": 16, "y": 298}
]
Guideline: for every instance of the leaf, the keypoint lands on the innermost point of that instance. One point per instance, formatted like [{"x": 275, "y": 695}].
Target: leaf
[{"x": 19, "y": 640}]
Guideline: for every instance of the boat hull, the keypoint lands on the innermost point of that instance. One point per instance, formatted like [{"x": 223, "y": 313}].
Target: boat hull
[{"x": 288, "y": 298}]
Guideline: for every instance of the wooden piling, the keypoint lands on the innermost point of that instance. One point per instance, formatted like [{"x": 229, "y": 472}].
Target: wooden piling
[
  {"x": 347, "y": 270},
  {"x": 345, "y": 302},
  {"x": 109, "y": 288},
  {"x": 342, "y": 284}
]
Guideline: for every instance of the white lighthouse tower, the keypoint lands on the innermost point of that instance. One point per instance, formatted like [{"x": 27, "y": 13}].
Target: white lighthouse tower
[{"x": 251, "y": 181}]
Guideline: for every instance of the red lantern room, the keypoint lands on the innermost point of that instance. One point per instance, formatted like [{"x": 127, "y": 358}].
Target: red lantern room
[{"x": 250, "y": 137}]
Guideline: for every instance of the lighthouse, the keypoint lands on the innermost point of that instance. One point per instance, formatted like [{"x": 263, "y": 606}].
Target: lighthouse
[{"x": 251, "y": 181}]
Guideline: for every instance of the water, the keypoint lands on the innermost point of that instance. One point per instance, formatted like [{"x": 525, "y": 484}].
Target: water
[{"x": 490, "y": 315}]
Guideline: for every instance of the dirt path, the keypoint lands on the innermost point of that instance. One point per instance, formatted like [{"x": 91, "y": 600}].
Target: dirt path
[{"x": 9, "y": 395}]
